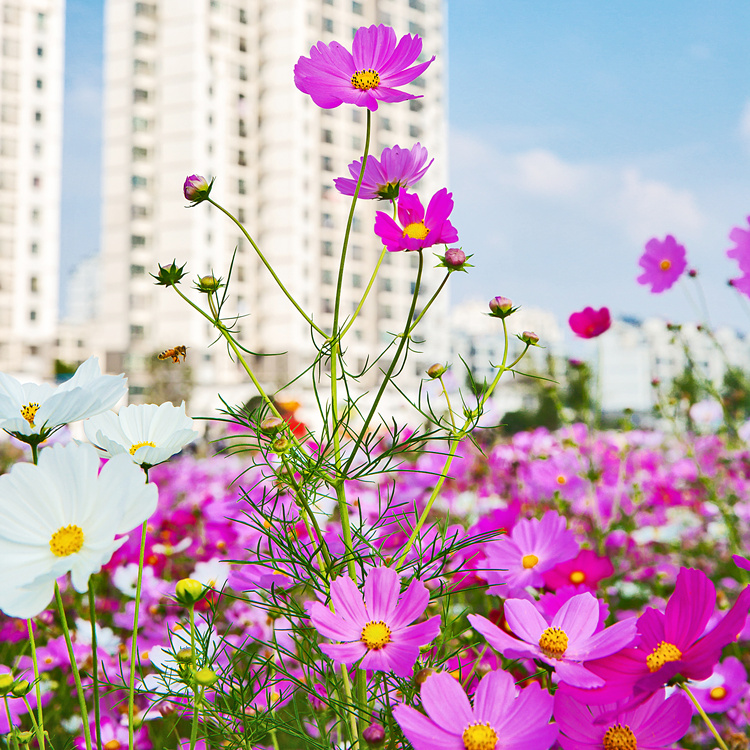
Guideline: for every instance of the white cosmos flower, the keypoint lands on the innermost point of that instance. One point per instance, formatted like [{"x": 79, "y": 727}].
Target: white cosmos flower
[
  {"x": 37, "y": 409},
  {"x": 147, "y": 432},
  {"x": 64, "y": 515}
]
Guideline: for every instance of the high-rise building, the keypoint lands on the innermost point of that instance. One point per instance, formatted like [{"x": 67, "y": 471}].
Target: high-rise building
[
  {"x": 31, "y": 96},
  {"x": 207, "y": 87}
]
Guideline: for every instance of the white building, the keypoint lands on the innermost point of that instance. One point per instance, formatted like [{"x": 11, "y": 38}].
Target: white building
[
  {"x": 193, "y": 86},
  {"x": 31, "y": 95}
]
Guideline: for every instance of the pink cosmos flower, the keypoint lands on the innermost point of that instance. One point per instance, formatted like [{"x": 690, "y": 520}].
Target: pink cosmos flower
[
  {"x": 368, "y": 75},
  {"x": 590, "y": 323},
  {"x": 657, "y": 723},
  {"x": 499, "y": 718},
  {"x": 565, "y": 643},
  {"x": 398, "y": 168},
  {"x": 418, "y": 228},
  {"x": 197, "y": 188},
  {"x": 726, "y": 686},
  {"x": 376, "y": 629},
  {"x": 741, "y": 250},
  {"x": 662, "y": 263},
  {"x": 519, "y": 559},
  {"x": 586, "y": 569}
]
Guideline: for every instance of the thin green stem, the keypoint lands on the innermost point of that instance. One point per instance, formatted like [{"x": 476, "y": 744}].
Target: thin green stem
[
  {"x": 196, "y": 692},
  {"x": 34, "y": 453},
  {"x": 352, "y": 717},
  {"x": 74, "y": 667},
  {"x": 134, "y": 656},
  {"x": 39, "y": 724},
  {"x": 448, "y": 402},
  {"x": 366, "y": 293},
  {"x": 95, "y": 664},
  {"x": 704, "y": 716},
  {"x": 429, "y": 302},
  {"x": 11, "y": 728},
  {"x": 30, "y": 712},
  {"x": 268, "y": 267}
]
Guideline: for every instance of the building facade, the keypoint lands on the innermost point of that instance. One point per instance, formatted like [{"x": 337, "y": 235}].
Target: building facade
[
  {"x": 206, "y": 86},
  {"x": 31, "y": 96}
]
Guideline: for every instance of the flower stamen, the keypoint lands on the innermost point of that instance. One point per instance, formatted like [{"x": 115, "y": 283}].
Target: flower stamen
[
  {"x": 364, "y": 80},
  {"x": 663, "y": 653},
  {"x": 553, "y": 642},
  {"x": 479, "y": 737},
  {"x": 136, "y": 446},
  {"x": 619, "y": 737},
  {"x": 718, "y": 693},
  {"x": 375, "y": 635},
  {"x": 577, "y": 576},
  {"x": 28, "y": 412},
  {"x": 417, "y": 230},
  {"x": 665, "y": 265},
  {"x": 529, "y": 561},
  {"x": 67, "y": 540}
]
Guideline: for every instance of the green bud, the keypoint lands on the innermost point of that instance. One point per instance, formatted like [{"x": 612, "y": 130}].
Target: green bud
[
  {"x": 20, "y": 688},
  {"x": 436, "y": 370},
  {"x": 6, "y": 683},
  {"x": 24, "y": 737},
  {"x": 272, "y": 425},
  {"x": 189, "y": 591},
  {"x": 421, "y": 677},
  {"x": 206, "y": 677},
  {"x": 530, "y": 338},
  {"x": 169, "y": 275},
  {"x": 208, "y": 284},
  {"x": 184, "y": 655},
  {"x": 280, "y": 445}
]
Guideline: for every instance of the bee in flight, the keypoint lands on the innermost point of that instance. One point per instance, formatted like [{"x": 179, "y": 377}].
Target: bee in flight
[{"x": 175, "y": 354}]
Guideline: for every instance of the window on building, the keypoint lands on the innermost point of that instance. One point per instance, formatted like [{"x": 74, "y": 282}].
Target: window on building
[
  {"x": 139, "y": 212},
  {"x": 38, "y": 116},
  {"x": 242, "y": 159},
  {"x": 326, "y": 163},
  {"x": 142, "y": 67},
  {"x": 138, "y": 181},
  {"x": 140, "y": 153},
  {"x": 145, "y": 9},
  {"x": 243, "y": 15},
  {"x": 328, "y": 25},
  {"x": 241, "y": 187},
  {"x": 416, "y": 4},
  {"x": 326, "y": 191},
  {"x": 242, "y": 129},
  {"x": 385, "y": 123},
  {"x": 34, "y": 285},
  {"x": 415, "y": 105},
  {"x": 11, "y": 48},
  {"x": 414, "y": 260},
  {"x": 11, "y": 15},
  {"x": 326, "y": 248},
  {"x": 328, "y": 2},
  {"x": 384, "y": 18},
  {"x": 36, "y": 181},
  {"x": 326, "y": 221},
  {"x": 412, "y": 287},
  {"x": 137, "y": 240},
  {"x": 241, "y": 215},
  {"x": 140, "y": 95},
  {"x": 8, "y": 147},
  {"x": 386, "y": 285},
  {"x": 243, "y": 73},
  {"x": 40, "y": 51},
  {"x": 387, "y": 311},
  {"x": 137, "y": 270},
  {"x": 357, "y": 115},
  {"x": 39, "y": 83},
  {"x": 356, "y": 280},
  {"x": 419, "y": 83},
  {"x": 415, "y": 28},
  {"x": 36, "y": 215},
  {"x": 141, "y": 124},
  {"x": 357, "y": 8},
  {"x": 326, "y": 136},
  {"x": 326, "y": 276},
  {"x": 9, "y": 114},
  {"x": 142, "y": 37},
  {"x": 41, "y": 21},
  {"x": 356, "y": 142},
  {"x": 356, "y": 252},
  {"x": 136, "y": 332},
  {"x": 34, "y": 248},
  {"x": 356, "y": 224},
  {"x": 32, "y": 315},
  {"x": 415, "y": 131},
  {"x": 37, "y": 148},
  {"x": 326, "y": 305},
  {"x": 242, "y": 44}
]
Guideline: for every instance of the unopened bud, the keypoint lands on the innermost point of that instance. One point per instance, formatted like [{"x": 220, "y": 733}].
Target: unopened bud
[
  {"x": 6, "y": 683},
  {"x": 24, "y": 737},
  {"x": 197, "y": 188},
  {"x": 421, "y": 677},
  {"x": 272, "y": 425},
  {"x": 692, "y": 273},
  {"x": 184, "y": 655},
  {"x": 208, "y": 284},
  {"x": 501, "y": 307},
  {"x": 455, "y": 257},
  {"x": 280, "y": 445},
  {"x": 374, "y": 735},
  {"x": 189, "y": 591},
  {"x": 436, "y": 370},
  {"x": 206, "y": 677},
  {"x": 530, "y": 338},
  {"x": 20, "y": 688}
]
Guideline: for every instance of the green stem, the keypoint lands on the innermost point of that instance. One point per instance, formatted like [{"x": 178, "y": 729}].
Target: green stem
[
  {"x": 448, "y": 402},
  {"x": 95, "y": 666},
  {"x": 429, "y": 302},
  {"x": 196, "y": 692},
  {"x": 352, "y": 716},
  {"x": 134, "y": 656},
  {"x": 34, "y": 453},
  {"x": 74, "y": 666},
  {"x": 366, "y": 293},
  {"x": 39, "y": 724},
  {"x": 10, "y": 723},
  {"x": 30, "y": 712},
  {"x": 705, "y": 718},
  {"x": 268, "y": 267}
]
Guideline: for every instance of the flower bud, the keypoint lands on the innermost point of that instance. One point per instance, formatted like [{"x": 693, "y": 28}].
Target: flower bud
[
  {"x": 24, "y": 737},
  {"x": 692, "y": 273},
  {"x": 272, "y": 425},
  {"x": 530, "y": 338},
  {"x": 421, "y": 677},
  {"x": 6, "y": 683},
  {"x": 501, "y": 307},
  {"x": 455, "y": 257},
  {"x": 374, "y": 735},
  {"x": 436, "y": 370},
  {"x": 280, "y": 445},
  {"x": 206, "y": 677},
  {"x": 169, "y": 275},
  {"x": 184, "y": 655},
  {"x": 189, "y": 591},
  {"x": 208, "y": 284},
  {"x": 20, "y": 688},
  {"x": 197, "y": 188}
]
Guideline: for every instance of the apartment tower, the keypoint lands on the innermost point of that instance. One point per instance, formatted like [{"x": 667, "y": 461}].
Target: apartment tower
[
  {"x": 206, "y": 86},
  {"x": 31, "y": 96}
]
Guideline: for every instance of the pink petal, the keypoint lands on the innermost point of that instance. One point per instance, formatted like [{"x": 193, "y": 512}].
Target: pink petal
[
  {"x": 420, "y": 634},
  {"x": 423, "y": 733},
  {"x": 527, "y": 715},
  {"x": 607, "y": 642},
  {"x": 658, "y": 722},
  {"x": 689, "y": 608},
  {"x": 501, "y": 641},
  {"x": 382, "y": 588},
  {"x": 578, "y": 617},
  {"x": 408, "y": 50},
  {"x": 347, "y": 601},
  {"x": 525, "y": 620},
  {"x": 395, "y": 657},
  {"x": 494, "y": 697},
  {"x": 413, "y": 603},
  {"x": 446, "y": 703},
  {"x": 331, "y": 625},
  {"x": 344, "y": 653},
  {"x": 439, "y": 208},
  {"x": 576, "y": 675}
]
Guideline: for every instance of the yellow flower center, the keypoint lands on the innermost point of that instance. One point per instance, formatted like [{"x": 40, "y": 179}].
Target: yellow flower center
[
  {"x": 665, "y": 265},
  {"x": 553, "y": 642},
  {"x": 718, "y": 693},
  {"x": 28, "y": 412},
  {"x": 529, "y": 561},
  {"x": 112, "y": 745},
  {"x": 479, "y": 737},
  {"x": 619, "y": 737},
  {"x": 663, "y": 653},
  {"x": 562, "y": 480},
  {"x": 67, "y": 540},
  {"x": 364, "y": 80},
  {"x": 375, "y": 635},
  {"x": 136, "y": 446},
  {"x": 577, "y": 576},
  {"x": 416, "y": 231}
]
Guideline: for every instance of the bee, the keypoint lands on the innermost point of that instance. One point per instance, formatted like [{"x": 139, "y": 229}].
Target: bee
[{"x": 174, "y": 354}]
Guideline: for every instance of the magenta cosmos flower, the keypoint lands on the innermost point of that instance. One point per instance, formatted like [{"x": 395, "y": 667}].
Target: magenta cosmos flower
[
  {"x": 533, "y": 547},
  {"x": 657, "y": 723},
  {"x": 499, "y": 718},
  {"x": 376, "y": 629},
  {"x": 672, "y": 643},
  {"x": 565, "y": 643},
  {"x": 662, "y": 263},
  {"x": 398, "y": 168},
  {"x": 418, "y": 228},
  {"x": 726, "y": 687},
  {"x": 365, "y": 76},
  {"x": 586, "y": 569},
  {"x": 590, "y": 323},
  {"x": 741, "y": 253}
]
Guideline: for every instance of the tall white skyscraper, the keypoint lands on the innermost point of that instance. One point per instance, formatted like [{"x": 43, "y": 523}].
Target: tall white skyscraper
[
  {"x": 207, "y": 87},
  {"x": 31, "y": 96}
]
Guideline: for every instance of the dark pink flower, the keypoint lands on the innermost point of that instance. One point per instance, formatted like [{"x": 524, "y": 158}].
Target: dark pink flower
[
  {"x": 726, "y": 686},
  {"x": 586, "y": 569},
  {"x": 376, "y": 629},
  {"x": 590, "y": 323},
  {"x": 662, "y": 263},
  {"x": 657, "y": 723},
  {"x": 397, "y": 168},
  {"x": 418, "y": 228},
  {"x": 499, "y": 718},
  {"x": 570, "y": 639},
  {"x": 365, "y": 76}
]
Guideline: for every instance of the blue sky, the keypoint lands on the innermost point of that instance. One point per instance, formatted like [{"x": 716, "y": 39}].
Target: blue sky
[{"x": 578, "y": 131}]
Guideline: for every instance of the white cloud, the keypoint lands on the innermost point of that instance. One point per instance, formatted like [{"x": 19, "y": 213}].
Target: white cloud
[{"x": 542, "y": 172}]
